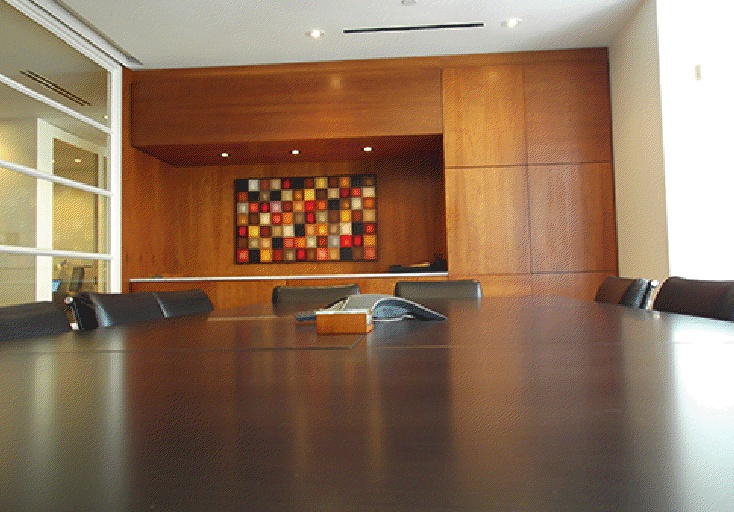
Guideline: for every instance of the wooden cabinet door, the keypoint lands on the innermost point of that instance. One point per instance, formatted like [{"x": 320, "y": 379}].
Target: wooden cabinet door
[
  {"x": 572, "y": 218},
  {"x": 568, "y": 113},
  {"x": 487, "y": 221},
  {"x": 484, "y": 116}
]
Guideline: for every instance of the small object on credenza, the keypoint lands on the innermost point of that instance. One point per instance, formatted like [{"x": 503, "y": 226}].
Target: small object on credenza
[{"x": 438, "y": 265}]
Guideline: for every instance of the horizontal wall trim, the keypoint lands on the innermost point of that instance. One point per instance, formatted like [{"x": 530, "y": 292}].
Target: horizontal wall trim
[
  {"x": 386, "y": 275},
  {"x": 532, "y": 164}
]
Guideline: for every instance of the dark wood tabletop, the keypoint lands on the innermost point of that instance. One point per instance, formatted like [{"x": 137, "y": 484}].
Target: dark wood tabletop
[{"x": 537, "y": 404}]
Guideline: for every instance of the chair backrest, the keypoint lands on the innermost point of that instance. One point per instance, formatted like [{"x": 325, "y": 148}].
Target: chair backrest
[
  {"x": 452, "y": 289},
  {"x": 633, "y": 293},
  {"x": 709, "y": 299},
  {"x": 125, "y": 308},
  {"x": 83, "y": 310},
  {"x": 183, "y": 303},
  {"x": 312, "y": 296},
  {"x": 31, "y": 320}
]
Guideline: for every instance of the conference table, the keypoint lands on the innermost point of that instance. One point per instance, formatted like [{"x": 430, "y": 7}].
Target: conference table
[{"x": 532, "y": 404}]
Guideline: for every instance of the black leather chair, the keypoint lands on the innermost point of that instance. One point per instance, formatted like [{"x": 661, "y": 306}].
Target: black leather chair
[
  {"x": 31, "y": 320},
  {"x": 709, "y": 299},
  {"x": 633, "y": 293},
  {"x": 83, "y": 310},
  {"x": 183, "y": 303},
  {"x": 122, "y": 308},
  {"x": 452, "y": 289},
  {"x": 312, "y": 296}
]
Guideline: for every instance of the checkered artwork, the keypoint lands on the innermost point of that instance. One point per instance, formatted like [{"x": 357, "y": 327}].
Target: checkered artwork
[{"x": 296, "y": 219}]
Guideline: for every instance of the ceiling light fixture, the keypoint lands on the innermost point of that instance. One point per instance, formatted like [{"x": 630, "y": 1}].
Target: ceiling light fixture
[
  {"x": 295, "y": 152},
  {"x": 315, "y": 34},
  {"x": 225, "y": 155},
  {"x": 367, "y": 149},
  {"x": 511, "y": 22}
]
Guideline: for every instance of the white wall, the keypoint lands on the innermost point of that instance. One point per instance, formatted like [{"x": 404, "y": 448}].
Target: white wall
[
  {"x": 674, "y": 175},
  {"x": 639, "y": 170},
  {"x": 697, "y": 134}
]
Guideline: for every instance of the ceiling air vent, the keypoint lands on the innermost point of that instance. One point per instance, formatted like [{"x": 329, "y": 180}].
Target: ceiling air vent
[
  {"x": 407, "y": 28},
  {"x": 55, "y": 88}
]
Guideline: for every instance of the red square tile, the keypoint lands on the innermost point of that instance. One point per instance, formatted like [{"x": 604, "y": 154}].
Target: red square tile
[{"x": 345, "y": 241}]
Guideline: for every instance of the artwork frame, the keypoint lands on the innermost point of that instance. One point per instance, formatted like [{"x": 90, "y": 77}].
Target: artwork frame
[{"x": 306, "y": 219}]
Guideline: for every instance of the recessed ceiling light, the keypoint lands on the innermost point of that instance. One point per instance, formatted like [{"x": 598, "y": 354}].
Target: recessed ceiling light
[
  {"x": 295, "y": 152},
  {"x": 367, "y": 149},
  {"x": 78, "y": 160},
  {"x": 511, "y": 22},
  {"x": 315, "y": 33},
  {"x": 225, "y": 155}
]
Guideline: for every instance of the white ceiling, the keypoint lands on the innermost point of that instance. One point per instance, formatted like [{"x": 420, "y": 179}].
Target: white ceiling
[{"x": 197, "y": 33}]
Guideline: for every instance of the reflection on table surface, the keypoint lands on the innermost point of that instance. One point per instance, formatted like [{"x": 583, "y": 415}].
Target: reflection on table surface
[{"x": 510, "y": 404}]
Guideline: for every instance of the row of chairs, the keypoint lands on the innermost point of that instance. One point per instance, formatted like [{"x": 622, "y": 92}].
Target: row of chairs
[
  {"x": 709, "y": 299},
  {"x": 92, "y": 310},
  {"x": 696, "y": 297}
]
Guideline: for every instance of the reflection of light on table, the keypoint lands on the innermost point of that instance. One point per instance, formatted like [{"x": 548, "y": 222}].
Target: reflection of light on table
[
  {"x": 704, "y": 363},
  {"x": 704, "y": 409}
]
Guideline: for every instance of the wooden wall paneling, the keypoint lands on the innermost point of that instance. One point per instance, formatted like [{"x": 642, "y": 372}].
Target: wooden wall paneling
[
  {"x": 484, "y": 116},
  {"x": 572, "y": 218},
  {"x": 275, "y": 106},
  {"x": 581, "y": 286},
  {"x": 411, "y": 211},
  {"x": 502, "y": 285},
  {"x": 144, "y": 215},
  {"x": 487, "y": 221},
  {"x": 568, "y": 112}
]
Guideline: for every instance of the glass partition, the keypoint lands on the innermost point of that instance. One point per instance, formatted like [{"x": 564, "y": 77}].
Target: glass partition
[
  {"x": 18, "y": 278},
  {"x": 59, "y": 160},
  {"x": 37, "y": 59},
  {"x": 17, "y": 209}
]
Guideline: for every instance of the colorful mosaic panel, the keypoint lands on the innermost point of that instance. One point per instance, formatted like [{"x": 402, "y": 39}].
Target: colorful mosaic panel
[{"x": 286, "y": 220}]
